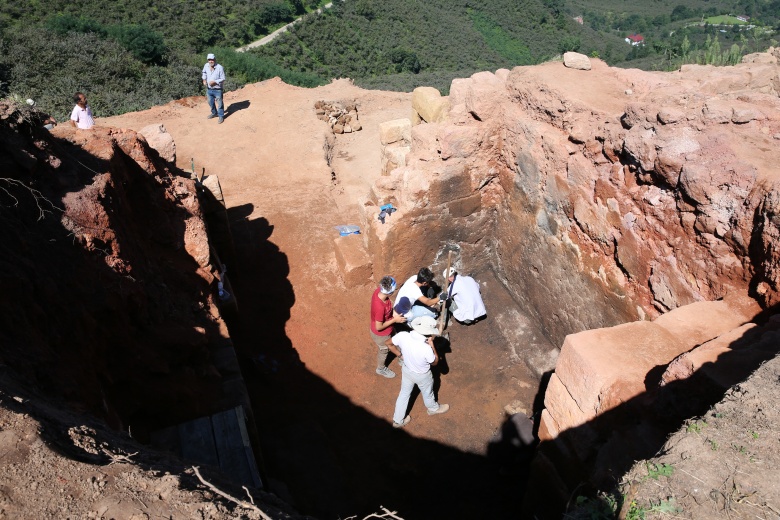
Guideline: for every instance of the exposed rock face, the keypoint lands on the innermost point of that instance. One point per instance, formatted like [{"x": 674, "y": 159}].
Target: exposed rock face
[
  {"x": 113, "y": 307},
  {"x": 598, "y": 208},
  {"x": 606, "y": 197}
]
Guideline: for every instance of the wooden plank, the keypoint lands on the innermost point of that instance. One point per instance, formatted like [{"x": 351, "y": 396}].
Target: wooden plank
[
  {"x": 231, "y": 446},
  {"x": 197, "y": 441},
  {"x": 242, "y": 420}
]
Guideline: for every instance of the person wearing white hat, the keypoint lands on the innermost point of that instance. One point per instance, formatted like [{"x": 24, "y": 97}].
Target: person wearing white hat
[
  {"x": 213, "y": 76},
  {"x": 416, "y": 350},
  {"x": 382, "y": 320},
  {"x": 464, "y": 298}
]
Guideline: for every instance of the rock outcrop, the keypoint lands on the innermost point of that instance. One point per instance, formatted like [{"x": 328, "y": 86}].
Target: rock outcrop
[
  {"x": 607, "y": 198},
  {"x": 108, "y": 260},
  {"x": 597, "y": 206}
]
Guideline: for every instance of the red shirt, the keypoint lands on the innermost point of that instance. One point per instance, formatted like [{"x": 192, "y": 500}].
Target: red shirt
[{"x": 381, "y": 311}]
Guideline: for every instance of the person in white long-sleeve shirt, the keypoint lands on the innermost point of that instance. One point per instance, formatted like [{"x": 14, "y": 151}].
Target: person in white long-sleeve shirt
[{"x": 465, "y": 298}]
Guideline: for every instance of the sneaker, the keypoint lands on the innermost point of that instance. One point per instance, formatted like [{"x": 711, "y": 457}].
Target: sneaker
[
  {"x": 211, "y": 116},
  {"x": 402, "y": 423},
  {"x": 221, "y": 119},
  {"x": 441, "y": 409},
  {"x": 384, "y": 371}
]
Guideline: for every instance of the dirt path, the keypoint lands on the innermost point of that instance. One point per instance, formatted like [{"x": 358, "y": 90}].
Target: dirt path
[
  {"x": 323, "y": 414},
  {"x": 271, "y": 37}
]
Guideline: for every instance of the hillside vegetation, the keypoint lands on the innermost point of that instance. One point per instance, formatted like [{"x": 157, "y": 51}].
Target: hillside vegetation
[
  {"x": 386, "y": 44},
  {"x": 136, "y": 54}
]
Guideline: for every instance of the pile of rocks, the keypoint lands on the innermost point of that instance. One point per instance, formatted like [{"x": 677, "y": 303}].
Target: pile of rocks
[{"x": 342, "y": 119}]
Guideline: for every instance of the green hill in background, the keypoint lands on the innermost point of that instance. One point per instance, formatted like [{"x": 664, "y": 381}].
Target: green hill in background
[{"x": 134, "y": 54}]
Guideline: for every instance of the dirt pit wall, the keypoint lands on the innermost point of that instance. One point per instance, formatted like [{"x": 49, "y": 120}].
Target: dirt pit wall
[
  {"x": 106, "y": 255},
  {"x": 598, "y": 197}
]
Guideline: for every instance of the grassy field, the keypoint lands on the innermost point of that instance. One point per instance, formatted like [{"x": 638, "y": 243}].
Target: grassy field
[
  {"x": 644, "y": 8},
  {"x": 724, "y": 20}
]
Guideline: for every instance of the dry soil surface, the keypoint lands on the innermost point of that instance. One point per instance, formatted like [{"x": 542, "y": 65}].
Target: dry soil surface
[{"x": 324, "y": 415}]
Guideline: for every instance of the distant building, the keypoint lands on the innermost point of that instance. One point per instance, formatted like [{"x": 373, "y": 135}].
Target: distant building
[
  {"x": 635, "y": 39},
  {"x": 579, "y": 20},
  {"x": 743, "y": 18}
]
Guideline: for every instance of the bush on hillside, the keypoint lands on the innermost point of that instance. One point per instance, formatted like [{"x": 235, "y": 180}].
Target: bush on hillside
[
  {"x": 113, "y": 79},
  {"x": 245, "y": 67},
  {"x": 142, "y": 41}
]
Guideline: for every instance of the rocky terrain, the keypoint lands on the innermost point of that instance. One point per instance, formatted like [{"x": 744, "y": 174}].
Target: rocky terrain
[{"x": 582, "y": 199}]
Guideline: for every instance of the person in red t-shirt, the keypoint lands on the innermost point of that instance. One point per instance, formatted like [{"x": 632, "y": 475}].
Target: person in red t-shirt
[{"x": 382, "y": 320}]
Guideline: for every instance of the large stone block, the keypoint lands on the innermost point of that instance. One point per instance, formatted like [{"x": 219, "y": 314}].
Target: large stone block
[
  {"x": 353, "y": 260},
  {"x": 395, "y": 131},
  {"x": 430, "y": 105},
  {"x": 603, "y": 368},
  {"x": 575, "y": 60},
  {"x": 548, "y": 430},
  {"x": 702, "y": 321},
  {"x": 160, "y": 140},
  {"x": 482, "y": 95},
  {"x": 452, "y": 183},
  {"x": 562, "y": 406},
  {"x": 394, "y": 156},
  {"x": 687, "y": 364},
  {"x": 466, "y": 206}
]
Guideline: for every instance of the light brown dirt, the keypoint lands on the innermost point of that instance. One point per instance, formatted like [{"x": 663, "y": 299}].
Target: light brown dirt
[{"x": 323, "y": 414}]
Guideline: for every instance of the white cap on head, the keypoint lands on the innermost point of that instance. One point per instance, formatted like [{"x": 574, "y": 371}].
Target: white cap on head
[
  {"x": 449, "y": 272},
  {"x": 210, "y": 57}
]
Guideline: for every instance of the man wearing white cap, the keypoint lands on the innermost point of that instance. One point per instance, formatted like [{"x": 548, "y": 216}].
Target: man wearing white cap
[
  {"x": 465, "y": 300},
  {"x": 382, "y": 319},
  {"x": 213, "y": 76},
  {"x": 418, "y": 356}
]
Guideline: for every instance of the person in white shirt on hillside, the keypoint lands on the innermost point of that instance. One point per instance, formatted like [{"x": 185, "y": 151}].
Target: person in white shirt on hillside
[{"x": 81, "y": 116}]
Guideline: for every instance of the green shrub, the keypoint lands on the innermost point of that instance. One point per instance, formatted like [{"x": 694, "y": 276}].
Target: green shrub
[{"x": 141, "y": 40}]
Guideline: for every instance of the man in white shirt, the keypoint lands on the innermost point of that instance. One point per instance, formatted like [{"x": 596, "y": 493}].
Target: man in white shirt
[
  {"x": 422, "y": 305},
  {"x": 81, "y": 116},
  {"x": 466, "y": 304},
  {"x": 418, "y": 355}
]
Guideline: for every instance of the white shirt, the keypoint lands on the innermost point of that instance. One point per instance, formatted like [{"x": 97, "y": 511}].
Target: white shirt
[
  {"x": 418, "y": 354},
  {"x": 465, "y": 293},
  {"x": 409, "y": 289},
  {"x": 82, "y": 117}
]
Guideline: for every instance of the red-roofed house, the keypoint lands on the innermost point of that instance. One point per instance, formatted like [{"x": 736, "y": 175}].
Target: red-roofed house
[{"x": 635, "y": 39}]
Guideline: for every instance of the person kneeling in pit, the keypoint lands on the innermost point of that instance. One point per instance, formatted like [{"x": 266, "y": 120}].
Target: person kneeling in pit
[
  {"x": 423, "y": 304},
  {"x": 402, "y": 309},
  {"x": 464, "y": 298}
]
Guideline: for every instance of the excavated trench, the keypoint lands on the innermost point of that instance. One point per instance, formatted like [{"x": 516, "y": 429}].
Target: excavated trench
[{"x": 570, "y": 218}]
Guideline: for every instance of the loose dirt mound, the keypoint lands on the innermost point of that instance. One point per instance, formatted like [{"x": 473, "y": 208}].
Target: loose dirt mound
[{"x": 722, "y": 465}]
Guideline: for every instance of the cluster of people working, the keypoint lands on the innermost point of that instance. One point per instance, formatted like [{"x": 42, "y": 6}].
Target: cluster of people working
[{"x": 407, "y": 326}]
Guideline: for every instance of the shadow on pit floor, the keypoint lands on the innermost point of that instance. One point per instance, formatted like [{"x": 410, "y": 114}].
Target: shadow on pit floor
[{"x": 335, "y": 458}]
